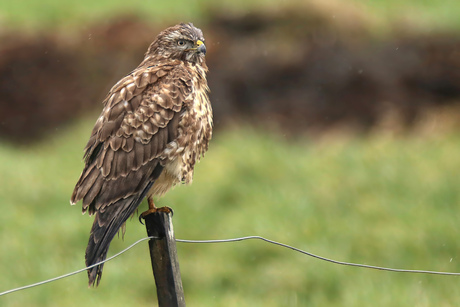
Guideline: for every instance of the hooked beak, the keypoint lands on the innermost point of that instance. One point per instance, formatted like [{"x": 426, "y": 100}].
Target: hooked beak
[{"x": 200, "y": 47}]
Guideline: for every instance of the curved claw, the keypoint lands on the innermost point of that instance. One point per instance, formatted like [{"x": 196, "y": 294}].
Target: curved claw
[
  {"x": 145, "y": 213},
  {"x": 167, "y": 210},
  {"x": 153, "y": 210}
]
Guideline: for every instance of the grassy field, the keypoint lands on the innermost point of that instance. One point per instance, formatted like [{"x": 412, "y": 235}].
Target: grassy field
[
  {"x": 374, "y": 200},
  {"x": 426, "y": 16}
]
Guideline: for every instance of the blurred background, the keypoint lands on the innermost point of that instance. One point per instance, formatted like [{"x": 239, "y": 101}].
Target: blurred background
[{"x": 337, "y": 130}]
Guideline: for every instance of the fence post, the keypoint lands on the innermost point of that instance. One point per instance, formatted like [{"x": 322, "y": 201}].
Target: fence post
[{"x": 163, "y": 255}]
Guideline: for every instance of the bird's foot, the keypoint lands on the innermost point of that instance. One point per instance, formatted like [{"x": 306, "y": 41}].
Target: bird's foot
[{"x": 154, "y": 210}]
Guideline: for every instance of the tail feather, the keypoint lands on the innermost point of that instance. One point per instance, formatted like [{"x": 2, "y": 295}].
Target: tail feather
[{"x": 106, "y": 225}]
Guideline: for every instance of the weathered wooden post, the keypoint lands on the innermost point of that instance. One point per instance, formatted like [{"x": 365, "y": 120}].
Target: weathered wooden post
[{"x": 165, "y": 263}]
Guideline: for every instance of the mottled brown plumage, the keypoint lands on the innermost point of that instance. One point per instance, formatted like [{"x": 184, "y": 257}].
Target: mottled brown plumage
[{"x": 155, "y": 125}]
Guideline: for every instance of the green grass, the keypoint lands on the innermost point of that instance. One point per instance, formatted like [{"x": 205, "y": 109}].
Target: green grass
[
  {"x": 375, "y": 200},
  {"x": 426, "y": 16},
  {"x": 47, "y": 14},
  {"x": 420, "y": 15}
]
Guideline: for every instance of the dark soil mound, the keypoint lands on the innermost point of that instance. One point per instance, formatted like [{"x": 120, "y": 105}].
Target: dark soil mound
[{"x": 274, "y": 69}]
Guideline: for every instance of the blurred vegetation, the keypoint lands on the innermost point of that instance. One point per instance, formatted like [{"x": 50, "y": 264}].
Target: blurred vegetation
[
  {"x": 426, "y": 16},
  {"x": 376, "y": 200},
  {"x": 381, "y": 199}
]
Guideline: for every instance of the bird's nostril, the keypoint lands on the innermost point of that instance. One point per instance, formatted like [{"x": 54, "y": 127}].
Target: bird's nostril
[{"x": 202, "y": 48}]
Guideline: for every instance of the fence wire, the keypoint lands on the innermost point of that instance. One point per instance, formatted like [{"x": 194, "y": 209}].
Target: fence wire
[{"x": 366, "y": 266}]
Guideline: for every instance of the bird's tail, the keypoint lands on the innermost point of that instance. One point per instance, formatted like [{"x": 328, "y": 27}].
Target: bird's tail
[{"x": 106, "y": 225}]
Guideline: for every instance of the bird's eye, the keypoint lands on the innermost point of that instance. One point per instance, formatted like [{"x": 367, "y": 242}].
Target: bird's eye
[{"x": 181, "y": 42}]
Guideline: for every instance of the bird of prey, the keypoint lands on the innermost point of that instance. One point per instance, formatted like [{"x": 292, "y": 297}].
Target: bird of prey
[{"x": 155, "y": 125}]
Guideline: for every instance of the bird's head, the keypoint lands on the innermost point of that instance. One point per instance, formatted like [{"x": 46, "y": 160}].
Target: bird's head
[{"x": 183, "y": 41}]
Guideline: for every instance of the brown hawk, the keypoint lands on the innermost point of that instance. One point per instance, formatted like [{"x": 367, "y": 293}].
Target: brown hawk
[{"x": 155, "y": 125}]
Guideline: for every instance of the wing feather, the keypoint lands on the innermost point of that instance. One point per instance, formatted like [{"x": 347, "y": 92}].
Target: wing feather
[
  {"x": 138, "y": 155},
  {"x": 107, "y": 162},
  {"x": 128, "y": 144},
  {"x": 141, "y": 115},
  {"x": 114, "y": 167},
  {"x": 147, "y": 152},
  {"x": 130, "y": 159},
  {"x": 122, "y": 164},
  {"x": 91, "y": 175},
  {"x": 115, "y": 143},
  {"x": 92, "y": 193}
]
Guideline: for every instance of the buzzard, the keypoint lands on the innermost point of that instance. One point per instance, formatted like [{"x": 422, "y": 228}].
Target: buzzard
[{"x": 155, "y": 125}]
